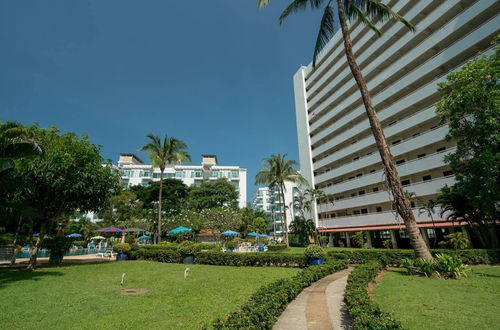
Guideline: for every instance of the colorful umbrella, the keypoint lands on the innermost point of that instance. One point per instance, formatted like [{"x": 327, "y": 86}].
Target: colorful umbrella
[
  {"x": 180, "y": 230},
  {"x": 74, "y": 235},
  {"x": 98, "y": 237},
  {"x": 230, "y": 233},
  {"x": 144, "y": 237},
  {"x": 110, "y": 230}
]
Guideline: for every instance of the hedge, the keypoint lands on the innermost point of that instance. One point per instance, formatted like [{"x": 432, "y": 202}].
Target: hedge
[
  {"x": 365, "y": 314},
  {"x": 220, "y": 258},
  {"x": 394, "y": 257},
  {"x": 277, "y": 247},
  {"x": 265, "y": 306}
]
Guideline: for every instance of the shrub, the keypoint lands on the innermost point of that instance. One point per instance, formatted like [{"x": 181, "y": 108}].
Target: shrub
[
  {"x": 121, "y": 247},
  {"x": 157, "y": 253},
  {"x": 314, "y": 251},
  {"x": 79, "y": 243},
  {"x": 365, "y": 314},
  {"x": 426, "y": 267},
  {"x": 250, "y": 259},
  {"x": 188, "y": 248},
  {"x": 265, "y": 306},
  {"x": 277, "y": 247},
  {"x": 455, "y": 241},
  {"x": 358, "y": 239},
  {"x": 167, "y": 245},
  {"x": 230, "y": 245},
  {"x": 129, "y": 239},
  {"x": 394, "y": 257},
  {"x": 451, "y": 266}
]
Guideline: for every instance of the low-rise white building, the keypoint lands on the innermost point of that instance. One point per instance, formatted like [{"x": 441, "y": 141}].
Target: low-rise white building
[{"x": 133, "y": 172}]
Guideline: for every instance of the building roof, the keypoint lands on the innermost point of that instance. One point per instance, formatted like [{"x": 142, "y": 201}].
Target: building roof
[{"x": 133, "y": 156}]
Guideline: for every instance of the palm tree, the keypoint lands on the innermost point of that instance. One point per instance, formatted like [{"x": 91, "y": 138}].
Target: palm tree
[
  {"x": 367, "y": 12},
  {"x": 163, "y": 153},
  {"x": 276, "y": 171},
  {"x": 303, "y": 228},
  {"x": 16, "y": 141}
]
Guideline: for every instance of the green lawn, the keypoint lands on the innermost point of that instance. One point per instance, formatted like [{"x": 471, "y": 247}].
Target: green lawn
[
  {"x": 425, "y": 303},
  {"x": 88, "y": 296}
]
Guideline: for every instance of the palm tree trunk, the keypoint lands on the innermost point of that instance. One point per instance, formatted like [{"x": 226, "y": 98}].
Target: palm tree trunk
[
  {"x": 403, "y": 206},
  {"x": 36, "y": 248},
  {"x": 18, "y": 229},
  {"x": 282, "y": 190},
  {"x": 158, "y": 239}
]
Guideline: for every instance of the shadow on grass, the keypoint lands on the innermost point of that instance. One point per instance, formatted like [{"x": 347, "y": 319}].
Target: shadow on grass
[
  {"x": 486, "y": 274},
  {"x": 12, "y": 275}
]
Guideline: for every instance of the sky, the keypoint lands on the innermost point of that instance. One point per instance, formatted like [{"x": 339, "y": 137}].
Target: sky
[{"x": 216, "y": 74}]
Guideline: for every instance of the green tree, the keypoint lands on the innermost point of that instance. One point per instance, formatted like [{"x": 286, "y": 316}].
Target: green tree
[
  {"x": 302, "y": 228},
  {"x": 69, "y": 176},
  {"x": 337, "y": 14},
  {"x": 124, "y": 210},
  {"x": 222, "y": 218},
  {"x": 471, "y": 107},
  {"x": 277, "y": 169},
  {"x": 174, "y": 195},
  {"x": 163, "y": 153},
  {"x": 212, "y": 194}
]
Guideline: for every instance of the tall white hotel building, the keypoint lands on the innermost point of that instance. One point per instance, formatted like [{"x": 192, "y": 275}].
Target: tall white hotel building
[{"x": 402, "y": 68}]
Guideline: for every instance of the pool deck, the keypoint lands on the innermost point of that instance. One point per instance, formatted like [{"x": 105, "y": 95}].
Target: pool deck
[{"x": 66, "y": 260}]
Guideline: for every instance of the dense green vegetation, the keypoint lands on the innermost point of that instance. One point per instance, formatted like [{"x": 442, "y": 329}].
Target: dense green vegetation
[
  {"x": 88, "y": 296},
  {"x": 468, "y": 303}
]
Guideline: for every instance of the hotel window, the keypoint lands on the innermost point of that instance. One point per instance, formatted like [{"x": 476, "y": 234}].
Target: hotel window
[
  {"x": 431, "y": 233},
  {"x": 364, "y": 211},
  {"x": 421, "y": 156},
  {"x": 235, "y": 174},
  {"x": 416, "y": 134},
  {"x": 401, "y": 161},
  {"x": 361, "y": 192},
  {"x": 426, "y": 178},
  {"x": 396, "y": 142},
  {"x": 178, "y": 174},
  {"x": 375, "y": 189},
  {"x": 440, "y": 149},
  {"x": 355, "y": 159},
  {"x": 215, "y": 174},
  {"x": 372, "y": 171},
  {"x": 156, "y": 175},
  {"x": 447, "y": 173},
  {"x": 353, "y": 195},
  {"x": 359, "y": 174},
  {"x": 378, "y": 209},
  {"x": 146, "y": 174},
  {"x": 356, "y": 212},
  {"x": 197, "y": 174},
  {"x": 385, "y": 234},
  {"x": 170, "y": 175},
  {"x": 405, "y": 182}
]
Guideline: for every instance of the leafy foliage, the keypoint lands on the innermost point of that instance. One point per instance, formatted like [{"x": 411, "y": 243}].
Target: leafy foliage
[
  {"x": 213, "y": 194},
  {"x": 470, "y": 107},
  {"x": 302, "y": 228},
  {"x": 265, "y": 306},
  {"x": 365, "y": 314},
  {"x": 314, "y": 251},
  {"x": 58, "y": 245},
  {"x": 455, "y": 241},
  {"x": 121, "y": 247}
]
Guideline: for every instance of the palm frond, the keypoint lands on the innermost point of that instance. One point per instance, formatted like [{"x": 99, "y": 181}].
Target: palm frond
[
  {"x": 327, "y": 29},
  {"x": 368, "y": 11},
  {"x": 295, "y": 7},
  {"x": 355, "y": 13}
]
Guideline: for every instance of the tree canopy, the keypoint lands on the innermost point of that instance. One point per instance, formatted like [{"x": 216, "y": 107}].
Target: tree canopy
[
  {"x": 213, "y": 194},
  {"x": 471, "y": 107}
]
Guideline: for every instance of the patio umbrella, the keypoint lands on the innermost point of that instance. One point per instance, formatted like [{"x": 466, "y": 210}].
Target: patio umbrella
[
  {"x": 36, "y": 234},
  {"x": 110, "y": 230},
  {"x": 179, "y": 230},
  {"x": 74, "y": 235},
  {"x": 253, "y": 234},
  {"x": 230, "y": 233},
  {"x": 144, "y": 237},
  {"x": 133, "y": 230},
  {"x": 98, "y": 237}
]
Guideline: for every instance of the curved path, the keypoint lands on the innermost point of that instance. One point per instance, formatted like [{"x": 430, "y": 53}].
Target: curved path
[{"x": 318, "y": 307}]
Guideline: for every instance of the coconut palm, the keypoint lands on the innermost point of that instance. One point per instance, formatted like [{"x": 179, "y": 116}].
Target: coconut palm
[
  {"x": 337, "y": 13},
  {"x": 16, "y": 141},
  {"x": 163, "y": 153},
  {"x": 277, "y": 169}
]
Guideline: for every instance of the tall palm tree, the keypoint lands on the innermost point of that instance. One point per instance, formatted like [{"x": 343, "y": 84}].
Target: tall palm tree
[
  {"x": 368, "y": 12},
  {"x": 163, "y": 153},
  {"x": 277, "y": 169}
]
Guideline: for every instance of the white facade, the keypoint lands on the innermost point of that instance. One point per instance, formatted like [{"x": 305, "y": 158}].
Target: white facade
[
  {"x": 402, "y": 69},
  {"x": 134, "y": 172},
  {"x": 270, "y": 201}
]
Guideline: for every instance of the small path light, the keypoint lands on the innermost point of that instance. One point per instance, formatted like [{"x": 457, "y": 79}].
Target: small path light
[
  {"x": 123, "y": 279},
  {"x": 186, "y": 273}
]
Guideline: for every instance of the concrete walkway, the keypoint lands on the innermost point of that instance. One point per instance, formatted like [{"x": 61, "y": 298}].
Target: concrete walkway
[{"x": 318, "y": 307}]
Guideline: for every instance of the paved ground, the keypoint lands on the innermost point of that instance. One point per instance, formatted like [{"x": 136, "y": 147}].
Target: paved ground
[
  {"x": 66, "y": 260},
  {"x": 318, "y": 307}
]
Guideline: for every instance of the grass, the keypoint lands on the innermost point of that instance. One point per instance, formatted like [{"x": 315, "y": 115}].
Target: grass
[
  {"x": 426, "y": 303},
  {"x": 87, "y": 296}
]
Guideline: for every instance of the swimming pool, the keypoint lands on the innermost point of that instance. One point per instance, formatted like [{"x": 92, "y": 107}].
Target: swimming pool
[{"x": 46, "y": 253}]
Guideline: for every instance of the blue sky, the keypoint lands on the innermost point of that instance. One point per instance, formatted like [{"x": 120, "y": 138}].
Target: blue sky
[{"x": 216, "y": 74}]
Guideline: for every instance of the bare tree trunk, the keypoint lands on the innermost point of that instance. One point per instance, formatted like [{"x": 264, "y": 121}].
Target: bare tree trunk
[
  {"x": 403, "y": 206},
  {"x": 36, "y": 248},
  {"x": 18, "y": 229},
  {"x": 158, "y": 238},
  {"x": 282, "y": 190}
]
